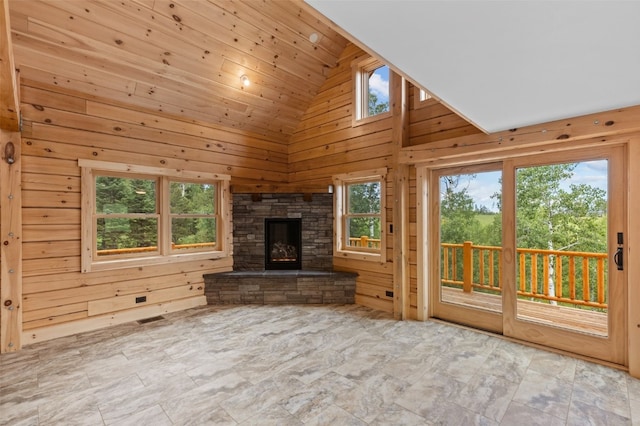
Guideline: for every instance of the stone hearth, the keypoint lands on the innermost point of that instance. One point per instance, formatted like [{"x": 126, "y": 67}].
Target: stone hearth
[{"x": 280, "y": 287}]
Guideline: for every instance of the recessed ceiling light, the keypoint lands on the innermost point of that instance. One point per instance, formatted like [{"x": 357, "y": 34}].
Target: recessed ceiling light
[
  {"x": 245, "y": 80},
  {"x": 313, "y": 37}
]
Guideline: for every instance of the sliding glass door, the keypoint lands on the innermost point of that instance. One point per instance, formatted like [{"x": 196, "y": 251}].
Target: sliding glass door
[{"x": 532, "y": 247}]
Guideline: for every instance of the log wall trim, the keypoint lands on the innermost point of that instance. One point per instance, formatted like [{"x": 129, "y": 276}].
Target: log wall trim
[
  {"x": 633, "y": 254},
  {"x": 400, "y": 130},
  {"x": 11, "y": 306},
  {"x": 9, "y": 95}
]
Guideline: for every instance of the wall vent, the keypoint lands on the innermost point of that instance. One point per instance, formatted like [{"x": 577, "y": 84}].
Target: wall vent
[{"x": 152, "y": 319}]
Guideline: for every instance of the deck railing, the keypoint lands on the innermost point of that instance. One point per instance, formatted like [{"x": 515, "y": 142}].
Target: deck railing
[
  {"x": 365, "y": 242},
  {"x": 130, "y": 250},
  {"x": 576, "y": 278}
]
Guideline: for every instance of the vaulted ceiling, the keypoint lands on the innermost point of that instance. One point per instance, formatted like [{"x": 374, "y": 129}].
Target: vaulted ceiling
[
  {"x": 505, "y": 64},
  {"x": 498, "y": 64},
  {"x": 183, "y": 57}
]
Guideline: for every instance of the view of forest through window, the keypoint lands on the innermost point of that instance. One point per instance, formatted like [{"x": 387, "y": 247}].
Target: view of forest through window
[
  {"x": 363, "y": 217},
  {"x": 128, "y": 212},
  {"x": 560, "y": 209}
]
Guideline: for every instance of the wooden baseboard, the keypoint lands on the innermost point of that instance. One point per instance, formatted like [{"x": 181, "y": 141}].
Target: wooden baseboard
[{"x": 94, "y": 323}]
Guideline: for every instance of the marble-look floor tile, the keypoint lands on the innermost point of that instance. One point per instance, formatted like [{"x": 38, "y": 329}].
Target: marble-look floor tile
[
  {"x": 310, "y": 368},
  {"x": 410, "y": 367},
  {"x": 523, "y": 415},
  {"x": 19, "y": 399},
  {"x": 371, "y": 395},
  {"x": 335, "y": 415},
  {"x": 635, "y": 412},
  {"x": 306, "y": 403},
  {"x": 633, "y": 385},
  {"x": 396, "y": 415},
  {"x": 545, "y": 393},
  {"x": 559, "y": 366},
  {"x": 602, "y": 387},
  {"x": 274, "y": 415},
  {"x": 24, "y": 420},
  {"x": 152, "y": 416},
  {"x": 293, "y": 365},
  {"x": 486, "y": 395},
  {"x": 448, "y": 413},
  {"x": 119, "y": 407},
  {"x": 250, "y": 401},
  {"x": 428, "y": 395},
  {"x": 199, "y": 401},
  {"x": 581, "y": 413},
  {"x": 508, "y": 360},
  {"x": 81, "y": 406},
  {"x": 462, "y": 363}
]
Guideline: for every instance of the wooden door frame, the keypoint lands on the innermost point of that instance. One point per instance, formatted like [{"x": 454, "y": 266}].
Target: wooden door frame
[
  {"x": 474, "y": 317},
  {"x": 424, "y": 163},
  {"x": 612, "y": 348}
]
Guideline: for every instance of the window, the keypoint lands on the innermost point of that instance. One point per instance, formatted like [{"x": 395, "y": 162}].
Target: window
[
  {"x": 193, "y": 215},
  {"x": 421, "y": 98},
  {"x": 360, "y": 219},
  {"x": 126, "y": 216},
  {"x": 147, "y": 215},
  {"x": 424, "y": 95},
  {"x": 371, "y": 89}
]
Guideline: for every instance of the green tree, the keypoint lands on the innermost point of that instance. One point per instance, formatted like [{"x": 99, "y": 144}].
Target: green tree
[
  {"x": 376, "y": 107},
  {"x": 458, "y": 221},
  {"x": 364, "y": 198},
  {"x": 549, "y": 216},
  {"x": 116, "y": 195},
  {"x": 192, "y": 199}
]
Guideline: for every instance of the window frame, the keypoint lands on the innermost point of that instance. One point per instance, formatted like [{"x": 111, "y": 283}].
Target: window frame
[
  {"x": 341, "y": 204},
  {"x": 164, "y": 254},
  {"x": 422, "y": 98},
  {"x": 361, "y": 69}
]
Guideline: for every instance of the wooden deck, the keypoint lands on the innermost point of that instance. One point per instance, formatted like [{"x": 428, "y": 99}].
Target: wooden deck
[{"x": 581, "y": 320}]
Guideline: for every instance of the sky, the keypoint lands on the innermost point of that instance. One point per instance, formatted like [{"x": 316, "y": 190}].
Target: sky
[
  {"x": 486, "y": 184},
  {"x": 379, "y": 84}
]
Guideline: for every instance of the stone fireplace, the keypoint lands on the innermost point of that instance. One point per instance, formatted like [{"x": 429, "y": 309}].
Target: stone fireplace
[
  {"x": 306, "y": 273},
  {"x": 314, "y": 215}
]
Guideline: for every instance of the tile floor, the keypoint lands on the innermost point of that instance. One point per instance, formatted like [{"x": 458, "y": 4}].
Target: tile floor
[{"x": 292, "y": 365}]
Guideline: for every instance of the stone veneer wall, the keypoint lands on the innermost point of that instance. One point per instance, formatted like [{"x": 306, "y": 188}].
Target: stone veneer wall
[{"x": 248, "y": 228}]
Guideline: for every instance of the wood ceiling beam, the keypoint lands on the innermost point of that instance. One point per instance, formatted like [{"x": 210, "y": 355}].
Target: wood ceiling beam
[
  {"x": 608, "y": 124},
  {"x": 9, "y": 98}
]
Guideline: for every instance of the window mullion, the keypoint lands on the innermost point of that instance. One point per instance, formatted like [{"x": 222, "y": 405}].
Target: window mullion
[{"x": 164, "y": 210}]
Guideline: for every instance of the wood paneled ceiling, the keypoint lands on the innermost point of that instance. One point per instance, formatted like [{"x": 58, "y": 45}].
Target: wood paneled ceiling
[{"x": 182, "y": 57}]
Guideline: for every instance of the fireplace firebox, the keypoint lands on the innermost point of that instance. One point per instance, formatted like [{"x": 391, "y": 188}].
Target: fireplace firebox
[{"x": 283, "y": 243}]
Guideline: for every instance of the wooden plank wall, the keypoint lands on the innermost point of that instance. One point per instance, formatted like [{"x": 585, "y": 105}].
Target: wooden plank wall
[
  {"x": 61, "y": 126},
  {"x": 327, "y": 143},
  {"x": 429, "y": 122}
]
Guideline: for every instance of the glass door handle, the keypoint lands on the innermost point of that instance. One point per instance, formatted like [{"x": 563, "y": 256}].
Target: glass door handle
[{"x": 618, "y": 258}]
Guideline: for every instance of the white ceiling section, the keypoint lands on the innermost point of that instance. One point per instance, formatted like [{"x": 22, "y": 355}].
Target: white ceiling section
[{"x": 505, "y": 64}]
